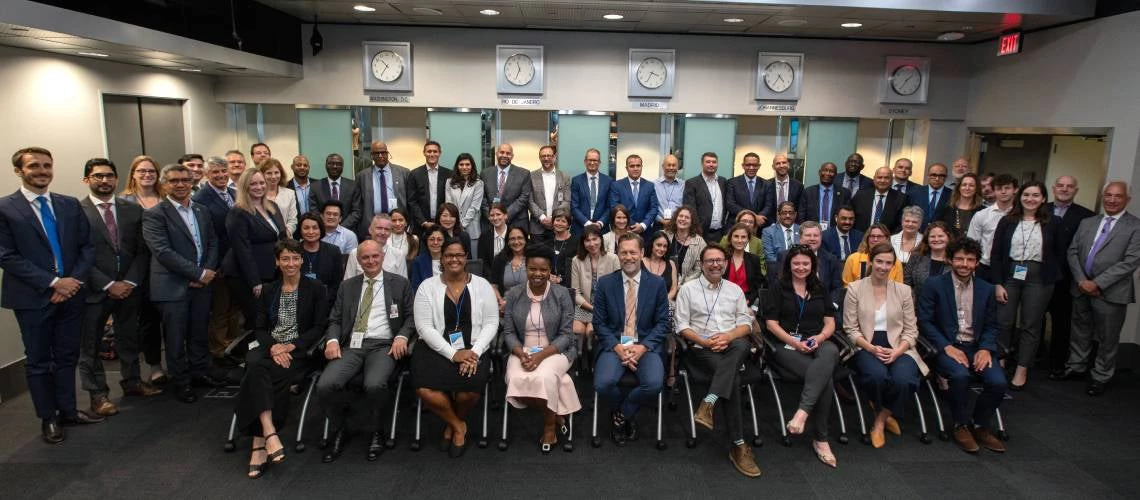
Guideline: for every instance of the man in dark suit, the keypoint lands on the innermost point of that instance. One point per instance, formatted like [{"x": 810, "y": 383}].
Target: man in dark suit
[
  {"x": 781, "y": 188},
  {"x": 120, "y": 267},
  {"x": 879, "y": 205},
  {"x": 747, "y": 191},
  {"x": 218, "y": 199},
  {"x": 1103, "y": 256},
  {"x": 851, "y": 179},
  {"x": 638, "y": 195},
  {"x": 590, "y": 196},
  {"x": 508, "y": 184},
  {"x": 821, "y": 202},
  {"x": 629, "y": 340},
  {"x": 932, "y": 197},
  {"x": 370, "y": 326},
  {"x": 901, "y": 178},
  {"x": 1061, "y": 305},
  {"x": 184, "y": 257},
  {"x": 381, "y": 188},
  {"x": 828, "y": 267},
  {"x": 957, "y": 314},
  {"x": 301, "y": 185},
  {"x": 427, "y": 188},
  {"x": 197, "y": 165},
  {"x": 842, "y": 239},
  {"x": 46, "y": 255},
  {"x": 706, "y": 193},
  {"x": 333, "y": 187}
]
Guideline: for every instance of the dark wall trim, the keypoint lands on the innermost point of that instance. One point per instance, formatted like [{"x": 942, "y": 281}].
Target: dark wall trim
[{"x": 13, "y": 381}]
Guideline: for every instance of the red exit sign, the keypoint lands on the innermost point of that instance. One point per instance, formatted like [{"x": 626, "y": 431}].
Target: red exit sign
[{"x": 1009, "y": 43}]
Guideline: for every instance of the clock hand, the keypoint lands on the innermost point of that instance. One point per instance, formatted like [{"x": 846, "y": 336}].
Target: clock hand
[{"x": 779, "y": 78}]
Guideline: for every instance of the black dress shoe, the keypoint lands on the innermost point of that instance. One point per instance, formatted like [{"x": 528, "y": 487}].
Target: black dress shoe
[
  {"x": 618, "y": 430},
  {"x": 340, "y": 437},
  {"x": 1066, "y": 374},
  {"x": 630, "y": 430},
  {"x": 185, "y": 394},
  {"x": 52, "y": 432},
  {"x": 80, "y": 418},
  {"x": 458, "y": 451},
  {"x": 1095, "y": 388},
  {"x": 208, "y": 381},
  {"x": 375, "y": 446}
]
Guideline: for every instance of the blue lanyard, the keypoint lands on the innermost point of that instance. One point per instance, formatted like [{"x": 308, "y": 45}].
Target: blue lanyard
[
  {"x": 459, "y": 310},
  {"x": 800, "y": 302},
  {"x": 709, "y": 308}
]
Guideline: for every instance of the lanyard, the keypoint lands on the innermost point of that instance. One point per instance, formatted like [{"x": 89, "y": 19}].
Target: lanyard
[
  {"x": 800, "y": 302},
  {"x": 459, "y": 310},
  {"x": 1026, "y": 235},
  {"x": 709, "y": 308}
]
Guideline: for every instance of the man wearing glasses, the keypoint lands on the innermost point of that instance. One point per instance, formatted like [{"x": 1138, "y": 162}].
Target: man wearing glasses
[
  {"x": 934, "y": 196},
  {"x": 380, "y": 190},
  {"x": 779, "y": 237}
]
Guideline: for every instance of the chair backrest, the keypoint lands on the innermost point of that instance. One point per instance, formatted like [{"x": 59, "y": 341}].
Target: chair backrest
[{"x": 475, "y": 266}]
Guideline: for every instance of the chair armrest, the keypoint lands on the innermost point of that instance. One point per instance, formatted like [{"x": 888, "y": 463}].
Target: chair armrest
[
  {"x": 243, "y": 341},
  {"x": 925, "y": 349}
]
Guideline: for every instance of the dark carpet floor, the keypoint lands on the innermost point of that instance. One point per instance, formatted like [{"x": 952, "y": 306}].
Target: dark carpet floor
[{"x": 1063, "y": 444}]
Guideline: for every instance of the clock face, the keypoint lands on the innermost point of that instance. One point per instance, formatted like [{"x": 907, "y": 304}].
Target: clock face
[
  {"x": 651, "y": 73},
  {"x": 779, "y": 76},
  {"x": 906, "y": 80},
  {"x": 387, "y": 66},
  {"x": 519, "y": 69}
]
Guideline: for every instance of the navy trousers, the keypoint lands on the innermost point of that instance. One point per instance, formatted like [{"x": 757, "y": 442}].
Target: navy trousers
[
  {"x": 51, "y": 344},
  {"x": 650, "y": 377},
  {"x": 888, "y": 386},
  {"x": 993, "y": 386}
]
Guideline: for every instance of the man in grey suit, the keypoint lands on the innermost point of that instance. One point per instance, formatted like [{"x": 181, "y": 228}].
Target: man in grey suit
[
  {"x": 1104, "y": 254},
  {"x": 380, "y": 188},
  {"x": 184, "y": 260},
  {"x": 550, "y": 191},
  {"x": 370, "y": 326},
  {"x": 120, "y": 267},
  {"x": 508, "y": 184}
]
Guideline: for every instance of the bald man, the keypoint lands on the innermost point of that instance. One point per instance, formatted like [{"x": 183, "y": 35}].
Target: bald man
[
  {"x": 880, "y": 204},
  {"x": 670, "y": 191},
  {"x": 781, "y": 188},
  {"x": 508, "y": 184},
  {"x": 380, "y": 189},
  {"x": 1060, "y": 311}
]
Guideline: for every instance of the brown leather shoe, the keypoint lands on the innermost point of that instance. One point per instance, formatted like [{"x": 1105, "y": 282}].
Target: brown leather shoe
[
  {"x": 892, "y": 426},
  {"x": 744, "y": 461},
  {"x": 988, "y": 440},
  {"x": 103, "y": 407},
  {"x": 965, "y": 439},
  {"x": 704, "y": 415},
  {"x": 144, "y": 389},
  {"x": 878, "y": 439}
]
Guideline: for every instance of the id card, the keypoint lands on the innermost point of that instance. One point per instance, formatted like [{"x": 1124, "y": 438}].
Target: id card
[
  {"x": 496, "y": 200},
  {"x": 627, "y": 340},
  {"x": 456, "y": 339},
  {"x": 533, "y": 350},
  {"x": 823, "y": 225},
  {"x": 253, "y": 345},
  {"x": 393, "y": 312},
  {"x": 357, "y": 340},
  {"x": 1020, "y": 272},
  {"x": 667, "y": 213},
  {"x": 796, "y": 336}
]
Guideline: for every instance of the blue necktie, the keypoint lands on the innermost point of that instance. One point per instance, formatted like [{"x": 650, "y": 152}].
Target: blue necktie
[
  {"x": 383, "y": 192},
  {"x": 878, "y": 209},
  {"x": 52, "y": 233},
  {"x": 933, "y": 205}
]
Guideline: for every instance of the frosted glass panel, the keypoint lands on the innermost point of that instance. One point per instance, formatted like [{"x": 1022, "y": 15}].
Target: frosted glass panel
[
  {"x": 831, "y": 141},
  {"x": 457, "y": 133},
  {"x": 717, "y": 135},
  {"x": 576, "y": 134},
  {"x": 323, "y": 132}
]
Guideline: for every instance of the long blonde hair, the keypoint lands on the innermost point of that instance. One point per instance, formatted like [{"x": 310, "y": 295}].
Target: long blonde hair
[
  {"x": 133, "y": 187},
  {"x": 243, "y": 201}
]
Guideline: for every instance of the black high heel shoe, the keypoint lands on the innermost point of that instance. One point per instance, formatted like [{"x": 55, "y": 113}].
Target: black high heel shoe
[
  {"x": 279, "y": 455},
  {"x": 255, "y": 471}
]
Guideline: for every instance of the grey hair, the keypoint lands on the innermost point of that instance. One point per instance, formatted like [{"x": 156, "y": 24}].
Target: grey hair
[
  {"x": 173, "y": 167},
  {"x": 216, "y": 161},
  {"x": 913, "y": 211},
  {"x": 235, "y": 152}
]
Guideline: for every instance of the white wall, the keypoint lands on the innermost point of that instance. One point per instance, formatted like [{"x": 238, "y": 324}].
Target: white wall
[{"x": 588, "y": 71}]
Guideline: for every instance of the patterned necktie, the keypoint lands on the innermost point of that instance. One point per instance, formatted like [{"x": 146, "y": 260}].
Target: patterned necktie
[
  {"x": 933, "y": 205},
  {"x": 502, "y": 182},
  {"x": 781, "y": 196},
  {"x": 1096, "y": 245},
  {"x": 335, "y": 190},
  {"x": 635, "y": 192},
  {"x": 225, "y": 194},
  {"x": 383, "y": 191},
  {"x": 593, "y": 193},
  {"x": 878, "y": 208},
  {"x": 787, "y": 238},
  {"x": 631, "y": 308},
  {"x": 825, "y": 207},
  {"x": 112, "y": 227},
  {"x": 361, "y": 324},
  {"x": 52, "y": 232},
  {"x": 846, "y": 247}
]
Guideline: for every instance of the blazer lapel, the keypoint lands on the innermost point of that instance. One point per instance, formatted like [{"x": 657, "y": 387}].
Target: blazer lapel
[
  {"x": 172, "y": 214},
  {"x": 96, "y": 214},
  {"x": 25, "y": 210},
  {"x": 549, "y": 314}
]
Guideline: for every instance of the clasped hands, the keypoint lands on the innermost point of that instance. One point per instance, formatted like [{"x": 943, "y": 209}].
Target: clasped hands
[
  {"x": 716, "y": 342},
  {"x": 64, "y": 288},
  {"x": 982, "y": 359},
  {"x": 280, "y": 354},
  {"x": 467, "y": 360},
  {"x": 530, "y": 361},
  {"x": 629, "y": 355}
]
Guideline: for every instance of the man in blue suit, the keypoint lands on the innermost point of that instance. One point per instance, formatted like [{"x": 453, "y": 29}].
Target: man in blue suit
[
  {"x": 852, "y": 179},
  {"x": 822, "y": 201},
  {"x": 747, "y": 191},
  {"x": 590, "y": 201},
  {"x": 932, "y": 197},
  {"x": 781, "y": 235},
  {"x": 638, "y": 195},
  {"x": 842, "y": 238},
  {"x": 957, "y": 314},
  {"x": 631, "y": 311},
  {"x": 46, "y": 254}
]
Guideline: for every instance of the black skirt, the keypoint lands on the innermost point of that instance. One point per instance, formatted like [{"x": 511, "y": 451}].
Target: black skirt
[{"x": 430, "y": 370}]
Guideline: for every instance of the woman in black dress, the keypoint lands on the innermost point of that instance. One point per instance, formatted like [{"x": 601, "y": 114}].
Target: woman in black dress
[
  {"x": 321, "y": 260},
  {"x": 292, "y": 314},
  {"x": 964, "y": 203},
  {"x": 254, "y": 226},
  {"x": 565, "y": 246},
  {"x": 448, "y": 219},
  {"x": 457, "y": 317}
]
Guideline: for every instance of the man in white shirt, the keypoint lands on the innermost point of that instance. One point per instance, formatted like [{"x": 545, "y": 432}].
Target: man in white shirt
[
  {"x": 713, "y": 317},
  {"x": 379, "y": 230},
  {"x": 236, "y": 161},
  {"x": 670, "y": 191},
  {"x": 369, "y": 330},
  {"x": 300, "y": 183},
  {"x": 550, "y": 191},
  {"x": 336, "y": 234},
  {"x": 707, "y": 193},
  {"x": 985, "y": 222}
]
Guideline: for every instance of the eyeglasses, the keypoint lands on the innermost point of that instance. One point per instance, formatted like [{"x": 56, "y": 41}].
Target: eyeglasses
[
  {"x": 455, "y": 256},
  {"x": 380, "y": 153},
  {"x": 102, "y": 177},
  {"x": 938, "y": 175},
  {"x": 714, "y": 261},
  {"x": 180, "y": 180}
]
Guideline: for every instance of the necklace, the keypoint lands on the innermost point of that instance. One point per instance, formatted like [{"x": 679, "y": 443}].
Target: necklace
[{"x": 515, "y": 264}]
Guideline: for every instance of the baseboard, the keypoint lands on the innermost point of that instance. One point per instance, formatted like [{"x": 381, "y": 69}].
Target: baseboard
[
  {"x": 1128, "y": 357},
  {"x": 13, "y": 380}
]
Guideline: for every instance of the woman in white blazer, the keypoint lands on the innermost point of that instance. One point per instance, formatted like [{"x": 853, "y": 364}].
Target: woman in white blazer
[
  {"x": 457, "y": 317},
  {"x": 465, "y": 190},
  {"x": 286, "y": 198}
]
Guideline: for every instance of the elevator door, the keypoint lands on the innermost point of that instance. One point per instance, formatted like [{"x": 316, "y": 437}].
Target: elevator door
[{"x": 142, "y": 125}]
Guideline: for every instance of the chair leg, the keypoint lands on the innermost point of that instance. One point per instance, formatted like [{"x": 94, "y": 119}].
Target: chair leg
[
  {"x": 568, "y": 446},
  {"x": 779, "y": 408},
  {"x": 324, "y": 435},
  {"x": 230, "y": 446},
  {"x": 503, "y": 440},
  {"x": 924, "y": 437},
  {"x": 486, "y": 412},
  {"x": 391, "y": 442},
  {"x": 661, "y": 445},
  {"x": 595, "y": 441},
  {"x": 842, "y": 421},
  {"x": 1002, "y": 434},
  {"x": 419, "y": 414},
  {"x": 866, "y": 438},
  {"x": 942, "y": 433},
  {"x": 692, "y": 441},
  {"x": 300, "y": 446},
  {"x": 757, "y": 441}
]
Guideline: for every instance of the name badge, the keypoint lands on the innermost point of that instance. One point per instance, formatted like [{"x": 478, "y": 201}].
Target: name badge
[
  {"x": 311, "y": 275},
  {"x": 823, "y": 225},
  {"x": 456, "y": 339},
  {"x": 667, "y": 213},
  {"x": 496, "y": 200},
  {"x": 394, "y": 312},
  {"x": 1020, "y": 272},
  {"x": 357, "y": 340},
  {"x": 795, "y": 335},
  {"x": 534, "y": 349},
  {"x": 253, "y": 345},
  {"x": 626, "y": 340}
]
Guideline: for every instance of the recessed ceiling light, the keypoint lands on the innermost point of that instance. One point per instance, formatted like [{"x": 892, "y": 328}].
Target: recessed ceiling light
[
  {"x": 792, "y": 22},
  {"x": 190, "y": 70},
  {"x": 852, "y": 25},
  {"x": 950, "y": 36},
  {"x": 427, "y": 11},
  {"x": 363, "y": 8},
  {"x": 613, "y": 17},
  {"x": 489, "y": 12},
  {"x": 94, "y": 54},
  {"x": 733, "y": 20}
]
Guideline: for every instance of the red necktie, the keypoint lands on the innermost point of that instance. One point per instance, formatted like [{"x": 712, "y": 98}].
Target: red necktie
[{"x": 112, "y": 228}]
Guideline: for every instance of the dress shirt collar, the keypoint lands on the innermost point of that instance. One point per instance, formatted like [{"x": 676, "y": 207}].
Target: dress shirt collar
[
  {"x": 636, "y": 277},
  {"x": 666, "y": 180},
  {"x": 1062, "y": 206},
  {"x": 31, "y": 196},
  {"x": 1117, "y": 217},
  {"x": 178, "y": 204},
  {"x": 99, "y": 202}
]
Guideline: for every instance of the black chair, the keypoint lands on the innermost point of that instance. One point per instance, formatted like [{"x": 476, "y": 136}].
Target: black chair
[
  {"x": 629, "y": 381},
  {"x": 356, "y": 383},
  {"x": 776, "y": 372}
]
